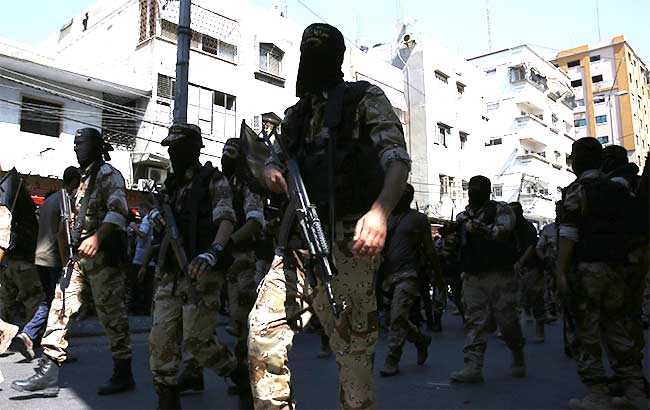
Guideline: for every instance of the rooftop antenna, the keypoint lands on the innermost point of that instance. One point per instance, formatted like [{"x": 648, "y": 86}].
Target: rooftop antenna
[
  {"x": 598, "y": 20},
  {"x": 489, "y": 26}
]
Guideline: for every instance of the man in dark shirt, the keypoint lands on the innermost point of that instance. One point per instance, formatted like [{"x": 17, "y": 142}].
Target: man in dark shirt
[{"x": 409, "y": 238}]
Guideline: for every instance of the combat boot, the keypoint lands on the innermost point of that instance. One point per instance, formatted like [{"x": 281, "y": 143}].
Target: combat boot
[
  {"x": 240, "y": 376},
  {"x": 539, "y": 331},
  {"x": 436, "y": 326},
  {"x": 518, "y": 367},
  {"x": 45, "y": 381},
  {"x": 635, "y": 398},
  {"x": 7, "y": 333},
  {"x": 168, "y": 397},
  {"x": 423, "y": 348},
  {"x": 471, "y": 373},
  {"x": 190, "y": 381},
  {"x": 391, "y": 366},
  {"x": 121, "y": 380},
  {"x": 596, "y": 398}
]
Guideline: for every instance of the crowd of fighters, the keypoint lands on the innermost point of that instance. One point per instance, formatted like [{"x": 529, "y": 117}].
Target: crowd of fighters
[{"x": 211, "y": 229}]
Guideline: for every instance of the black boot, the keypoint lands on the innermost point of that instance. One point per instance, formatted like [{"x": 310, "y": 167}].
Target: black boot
[
  {"x": 168, "y": 397},
  {"x": 121, "y": 380},
  {"x": 190, "y": 380},
  {"x": 241, "y": 378},
  {"x": 45, "y": 381}
]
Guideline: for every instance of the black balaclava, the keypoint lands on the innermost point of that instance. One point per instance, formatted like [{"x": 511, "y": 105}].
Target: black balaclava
[
  {"x": 614, "y": 157},
  {"x": 89, "y": 146},
  {"x": 183, "y": 155},
  {"x": 586, "y": 154},
  {"x": 231, "y": 157},
  {"x": 479, "y": 190},
  {"x": 518, "y": 209},
  {"x": 321, "y": 56}
]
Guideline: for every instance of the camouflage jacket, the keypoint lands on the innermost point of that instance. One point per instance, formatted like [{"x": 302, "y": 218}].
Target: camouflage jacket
[
  {"x": 573, "y": 205},
  {"x": 547, "y": 244},
  {"x": 374, "y": 113},
  {"x": 107, "y": 200},
  {"x": 252, "y": 203}
]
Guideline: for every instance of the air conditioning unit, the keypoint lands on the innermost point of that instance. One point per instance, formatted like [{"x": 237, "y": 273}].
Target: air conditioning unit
[{"x": 157, "y": 175}]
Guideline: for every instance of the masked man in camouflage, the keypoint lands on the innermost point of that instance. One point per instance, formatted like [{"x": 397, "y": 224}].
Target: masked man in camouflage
[
  {"x": 592, "y": 256},
  {"x": 187, "y": 298},
  {"x": 487, "y": 255},
  {"x": 240, "y": 276},
  {"x": 98, "y": 237},
  {"x": 368, "y": 176}
]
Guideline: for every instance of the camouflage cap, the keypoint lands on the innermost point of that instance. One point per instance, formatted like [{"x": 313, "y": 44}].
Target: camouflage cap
[{"x": 183, "y": 132}]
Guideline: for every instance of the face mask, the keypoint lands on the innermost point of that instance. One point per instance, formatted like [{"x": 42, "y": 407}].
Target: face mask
[
  {"x": 87, "y": 150},
  {"x": 183, "y": 157},
  {"x": 477, "y": 197}
]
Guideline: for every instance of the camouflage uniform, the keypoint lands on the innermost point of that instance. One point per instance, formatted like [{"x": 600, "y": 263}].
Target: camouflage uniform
[
  {"x": 241, "y": 274},
  {"x": 598, "y": 303},
  {"x": 547, "y": 245},
  {"x": 107, "y": 282},
  {"x": 177, "y": 316},
  {"x": 353, "y": 337},
  {"x": 19, "y": 281},
  {"x": 405, "y": 293},
  {"x": 491, "y": 293}
]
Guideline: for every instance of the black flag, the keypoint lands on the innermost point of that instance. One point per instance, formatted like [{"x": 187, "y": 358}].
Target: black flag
[{"x": 256, "y": 152}]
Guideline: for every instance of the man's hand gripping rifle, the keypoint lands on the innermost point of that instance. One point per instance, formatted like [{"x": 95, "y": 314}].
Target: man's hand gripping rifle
[
  {"x": 163, "y": 216},
  {"x": 310, "y": 225}
]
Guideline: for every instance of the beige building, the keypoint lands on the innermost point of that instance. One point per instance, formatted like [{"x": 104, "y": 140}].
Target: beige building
[{"x": 612, "y": 94}]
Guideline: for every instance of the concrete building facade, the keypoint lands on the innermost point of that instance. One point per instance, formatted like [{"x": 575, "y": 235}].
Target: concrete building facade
[
  {"x": 611, "y": 85},
  {"x": 530, "y": 106}
]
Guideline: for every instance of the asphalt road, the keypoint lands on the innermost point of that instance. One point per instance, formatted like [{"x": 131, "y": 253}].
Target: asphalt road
[{"x": 551, "y": 381}]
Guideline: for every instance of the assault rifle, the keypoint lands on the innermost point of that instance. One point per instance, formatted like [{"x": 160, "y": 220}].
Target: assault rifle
[
  {"x": 311, "y": 229},
  {"x": 73, "y": 257},
  {"x": 172, "y": 238}
]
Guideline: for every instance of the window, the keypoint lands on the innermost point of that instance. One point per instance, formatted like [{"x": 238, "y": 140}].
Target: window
[
  {"x": 442, "y": 76},
  {"x": 460, "y": 87},
  {"x": 630, "y": 78},
  {"x": 271, "y": 59},
  {"x": 601, "y": 119},
  {"x": 166, "y": 87},
  {"x": 517, "y": 73},
  {"x": 40, "y": 117},
  {"x": 595, "y": 58},
  {"x": 491, "y": 71},
  {"x": 219, "y": 48},
  {"x": 597, "y": 78},
  {"x": 580, "y": 122},
  {"x": 573, "y": 63},
  {"x": 603, "y": 140},
  {"x": 441, "y": 133},
  {"x": 576, "y": 83},
  {"x": 539, "y": 79},
  {"x": 463, "y": 139},
  {"x": 599, "y": 99},
  {"x": 224, "y": 100},
  {"x": 493, "y": 141},
  {"x": 497, "y": 190},
  {"x": 580, "y": 103}
]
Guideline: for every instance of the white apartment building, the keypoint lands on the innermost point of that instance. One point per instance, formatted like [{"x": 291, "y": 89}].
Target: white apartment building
[
  {"x": 446, "y": 122},
  {"x": 530, "y": 105},
  {"x": 243, "y": 63}
]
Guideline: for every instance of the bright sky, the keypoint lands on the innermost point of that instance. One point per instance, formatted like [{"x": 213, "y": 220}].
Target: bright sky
[{"x": 550, "y": 25}]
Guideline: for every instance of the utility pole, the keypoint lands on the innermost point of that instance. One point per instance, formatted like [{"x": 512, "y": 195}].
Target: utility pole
[
  {"x": 182, "y": 61},
  {"x": 598, "y": 20}
]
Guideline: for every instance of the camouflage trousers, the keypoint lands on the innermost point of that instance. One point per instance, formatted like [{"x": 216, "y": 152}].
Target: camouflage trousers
[
  {"x": 532, "y": 292},
  {"x": 598, "y": 290},
  {"x": 241, "y": 297},
  {"x": 19, "y": 283},
  {"x": 107, "y": 284},
  {"x": 440, "y": 297},
  {"x": 488, "y": 295},
  {"x": 189, "y": 318},
  {"x": 405, "y": 294},
  {"x": 636, "y": 271},
  {"x": 284, "y": 305}
]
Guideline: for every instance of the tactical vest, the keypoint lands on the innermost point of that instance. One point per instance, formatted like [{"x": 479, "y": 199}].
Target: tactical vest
[
  {"x": 358, "y": 175},
  {"x": 24, "y": 225},
  {"x": 605, "y": 223},
  {"x": 480, "y": 254},
  {"x": 194, "y": 221}
]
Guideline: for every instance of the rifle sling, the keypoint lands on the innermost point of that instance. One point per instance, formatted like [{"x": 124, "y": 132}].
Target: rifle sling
[{"x": 78, "y": 226}]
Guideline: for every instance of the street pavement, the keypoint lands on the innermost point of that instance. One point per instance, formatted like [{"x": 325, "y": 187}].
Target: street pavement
[{"x": 551, "y": 381}]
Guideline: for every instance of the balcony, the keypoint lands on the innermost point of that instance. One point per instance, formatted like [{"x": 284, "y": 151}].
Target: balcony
[
  {"x": 530, "y": 97},
  {"x": 532, "y": 131}
]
